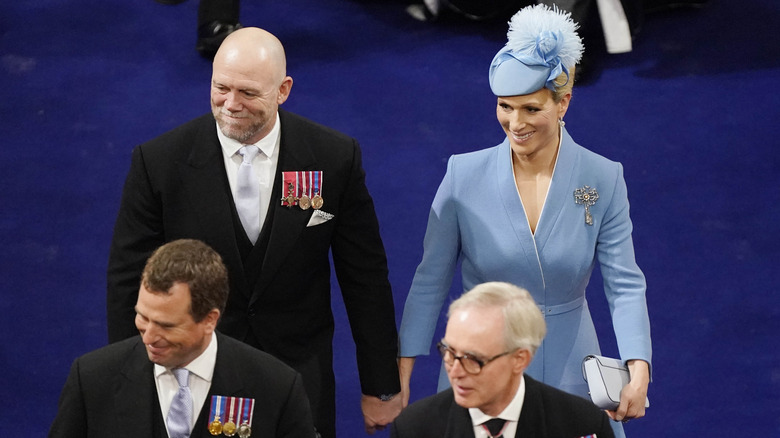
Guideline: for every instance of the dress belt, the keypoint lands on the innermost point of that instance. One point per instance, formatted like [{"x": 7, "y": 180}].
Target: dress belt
[{"x": 563, "y": 308}]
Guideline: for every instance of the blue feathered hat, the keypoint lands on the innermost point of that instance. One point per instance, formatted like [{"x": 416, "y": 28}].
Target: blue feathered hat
[{"x": 542, "y": 44}]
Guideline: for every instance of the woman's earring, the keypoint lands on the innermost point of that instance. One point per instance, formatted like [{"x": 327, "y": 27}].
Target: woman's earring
[{"x": 561, "y": 123}]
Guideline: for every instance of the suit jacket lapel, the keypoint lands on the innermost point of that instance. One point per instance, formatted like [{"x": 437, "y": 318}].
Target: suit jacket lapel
[
  {"x": 136, "y": 395},
  {"x": 459, "y": 423},
  {"x": 225, "y": 381},
  {"x": 530, "y": 423},
  {"x": 288, "y": 223},
  {"x": 560, "y": 192},
  {"x": 203, "y": 176}
]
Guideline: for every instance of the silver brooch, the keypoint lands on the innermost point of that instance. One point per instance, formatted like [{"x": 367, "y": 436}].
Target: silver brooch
[{"x": 586, "y": 196}]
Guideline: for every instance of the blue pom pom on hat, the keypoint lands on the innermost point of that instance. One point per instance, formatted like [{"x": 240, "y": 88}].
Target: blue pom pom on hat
[{"x": 542, "y": 43}]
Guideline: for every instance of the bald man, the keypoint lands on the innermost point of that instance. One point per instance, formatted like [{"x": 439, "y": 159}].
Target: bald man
[{"x": 273, "y": 193}]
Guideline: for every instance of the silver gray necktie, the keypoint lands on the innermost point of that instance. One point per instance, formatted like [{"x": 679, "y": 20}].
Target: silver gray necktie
[{"x": 248, "y": 194}]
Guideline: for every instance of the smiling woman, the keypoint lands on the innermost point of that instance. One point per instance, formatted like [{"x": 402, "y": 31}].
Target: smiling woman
[
  {"x": 535, "y": 115},
  {"x": 537, "y": 235}
]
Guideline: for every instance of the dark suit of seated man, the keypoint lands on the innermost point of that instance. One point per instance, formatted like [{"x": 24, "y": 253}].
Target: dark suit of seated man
[
  {"x": 492, "y": 334},
  {"x": 137, "y": 387}
]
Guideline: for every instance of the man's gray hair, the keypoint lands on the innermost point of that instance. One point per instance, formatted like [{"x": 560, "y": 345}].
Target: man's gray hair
[{"x": 524, "y": 326}]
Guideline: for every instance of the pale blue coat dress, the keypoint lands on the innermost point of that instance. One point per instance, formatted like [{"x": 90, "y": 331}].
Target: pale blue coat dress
[{"x": 477, "y": 218}]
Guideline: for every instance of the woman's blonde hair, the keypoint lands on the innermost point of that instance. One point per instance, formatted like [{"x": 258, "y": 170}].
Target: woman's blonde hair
[{"x": 563, "y": 84}]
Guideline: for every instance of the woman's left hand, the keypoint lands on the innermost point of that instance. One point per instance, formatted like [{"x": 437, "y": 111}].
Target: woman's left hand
[{"x": 634, "y": 394}]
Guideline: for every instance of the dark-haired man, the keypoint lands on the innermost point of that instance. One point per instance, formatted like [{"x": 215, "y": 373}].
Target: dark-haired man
[{"x": 180, "y": 378}]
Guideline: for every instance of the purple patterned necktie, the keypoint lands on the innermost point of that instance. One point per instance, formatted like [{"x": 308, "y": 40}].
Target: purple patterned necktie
[{"x": 180, "y": 413}]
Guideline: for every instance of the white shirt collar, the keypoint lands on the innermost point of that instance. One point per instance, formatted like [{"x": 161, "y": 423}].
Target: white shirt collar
[{"x": 510, "y": 413}]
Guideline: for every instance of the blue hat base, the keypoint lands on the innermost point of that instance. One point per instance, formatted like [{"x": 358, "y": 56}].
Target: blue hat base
[{"x": 510, "y": 77}]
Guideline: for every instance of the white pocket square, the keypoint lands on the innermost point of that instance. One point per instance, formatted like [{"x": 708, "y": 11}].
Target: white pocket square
[{"x": 319, "y": 217}]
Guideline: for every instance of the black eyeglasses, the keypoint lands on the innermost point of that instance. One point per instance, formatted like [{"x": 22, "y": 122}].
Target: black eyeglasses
[{"x": 470, "y": 363}]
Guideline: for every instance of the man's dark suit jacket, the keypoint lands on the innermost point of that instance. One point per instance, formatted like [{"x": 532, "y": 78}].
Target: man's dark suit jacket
[
  {"x": 279, "y": 299},
  {"x": 111, "y": 392},
  {"x": 547, "y": 413}
]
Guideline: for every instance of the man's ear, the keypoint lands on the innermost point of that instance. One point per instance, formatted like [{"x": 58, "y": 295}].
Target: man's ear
[
  {"x": 284, "y": 90},
  {"x": 522, "y": 358},
  {"x": 211, "y": 319}
]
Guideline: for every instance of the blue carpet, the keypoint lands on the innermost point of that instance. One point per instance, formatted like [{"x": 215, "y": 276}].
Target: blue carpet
[{"x": 692, "y": 114}]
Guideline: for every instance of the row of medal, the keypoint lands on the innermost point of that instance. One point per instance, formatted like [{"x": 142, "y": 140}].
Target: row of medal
[
  {"x": 231, "y": 416},
  {"x": 302, "y": 188}
]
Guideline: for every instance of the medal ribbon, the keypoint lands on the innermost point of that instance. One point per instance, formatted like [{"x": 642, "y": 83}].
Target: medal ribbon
[
  {"x": 307, "y": 183},
  {"x": 231, "y": 408},
  {"x": 216, "y": 411},
  {"x": 288, "y": 178},
  {"x": 304, "y": 184},
  {"x": 249, "y": 411},
  {"x": 317, "y": 182}
]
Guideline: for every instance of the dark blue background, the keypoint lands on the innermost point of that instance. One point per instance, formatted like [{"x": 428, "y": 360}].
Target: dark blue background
[{"x": 692, "y": 113}]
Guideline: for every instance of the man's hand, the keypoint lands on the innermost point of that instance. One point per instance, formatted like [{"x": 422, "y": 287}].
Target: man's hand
[
  {"x": 634, "y": 394},
  {"x": 377, "y": 414}
]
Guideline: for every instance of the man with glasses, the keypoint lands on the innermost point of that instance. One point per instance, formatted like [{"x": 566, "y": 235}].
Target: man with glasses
[{"x": 492, "y": 334}]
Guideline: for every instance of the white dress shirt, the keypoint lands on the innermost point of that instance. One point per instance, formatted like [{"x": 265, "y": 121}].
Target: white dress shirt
[
  {"x": 201, "y": 372},
  {"x": 264, "y": 164},
  {"x": 511, "y": 414}
]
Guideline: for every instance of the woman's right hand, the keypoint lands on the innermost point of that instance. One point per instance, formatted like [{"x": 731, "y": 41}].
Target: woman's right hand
[
  {"x": 405, "y": 366},
  {"x": 634, "y": 394}
]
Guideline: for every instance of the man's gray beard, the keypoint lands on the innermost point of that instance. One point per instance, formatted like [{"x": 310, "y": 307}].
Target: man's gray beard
[{"x": 237, "y": 134}]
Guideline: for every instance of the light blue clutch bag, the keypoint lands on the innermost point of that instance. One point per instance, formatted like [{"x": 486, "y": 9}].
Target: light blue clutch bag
[{"x": 606, "y": 377}]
